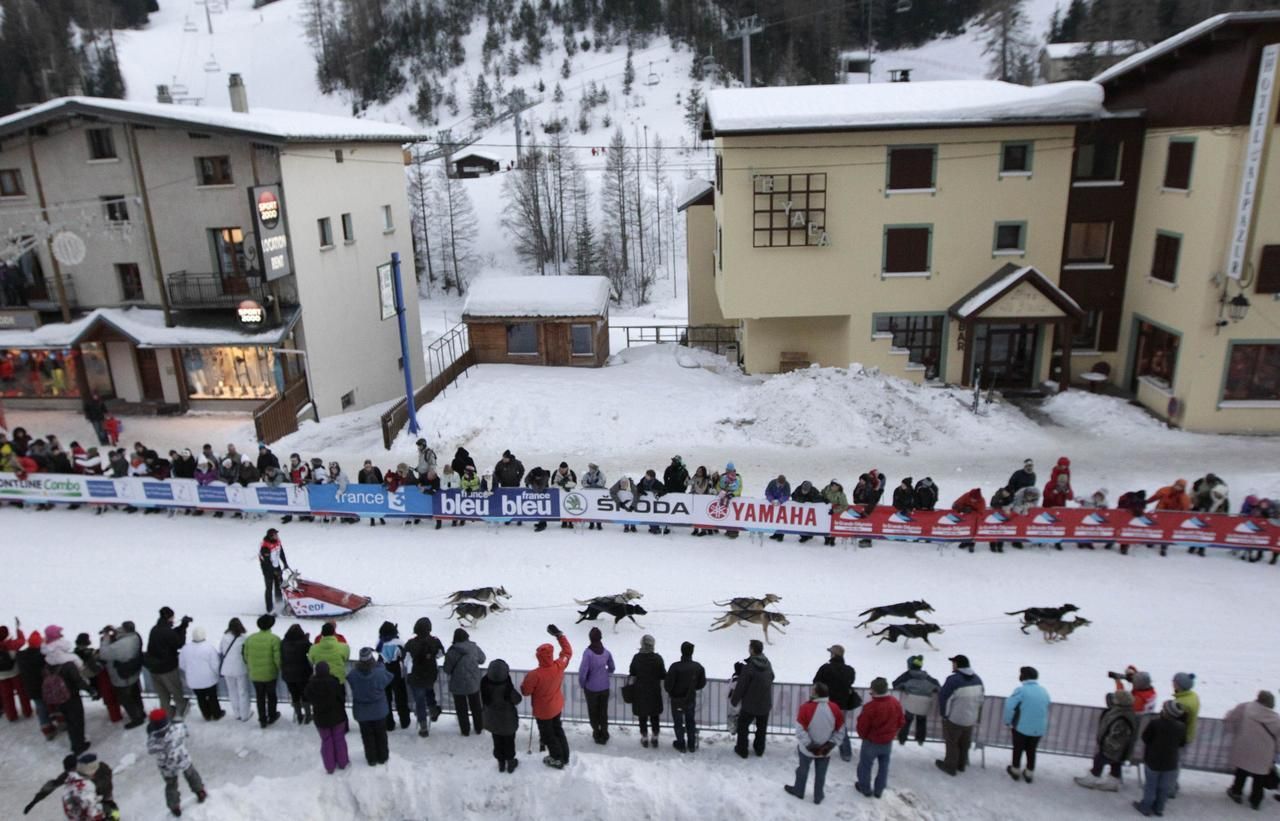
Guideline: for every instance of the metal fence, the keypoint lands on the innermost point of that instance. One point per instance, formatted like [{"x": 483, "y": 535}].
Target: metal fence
[
  {"x": 1072, "y": 727},
  {"x": 202, "y": 290},
  {"x": 720, "y": 339}
]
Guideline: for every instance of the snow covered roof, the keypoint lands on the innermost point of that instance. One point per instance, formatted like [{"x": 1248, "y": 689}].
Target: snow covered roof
[
  {"x": 476, "y": 152},
  {"x": 1065, "y": 51},
  {"x": 537, "y": 296},
  {"x": 1006, "y": 279},
  {"x": 1184, "y": 37},
  {"x": 694, "y": 190},
  {"x": 886, "y": 105},
  {"x": 273, "y": 124},
  {"x": 145, "y": 326}
]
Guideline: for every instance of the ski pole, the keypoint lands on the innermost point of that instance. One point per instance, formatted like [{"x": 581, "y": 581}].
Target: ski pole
[{"x": 532, "y": 721}]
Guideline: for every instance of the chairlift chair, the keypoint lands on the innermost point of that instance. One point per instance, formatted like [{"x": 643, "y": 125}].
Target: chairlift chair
[
  {"x": 178, "y": 90},
  {"x": 903, "y": 6},
  {"x": 189, "y": 25},
  {"x": 653, "y": 79},
  {"x": 211, "y": 65}
]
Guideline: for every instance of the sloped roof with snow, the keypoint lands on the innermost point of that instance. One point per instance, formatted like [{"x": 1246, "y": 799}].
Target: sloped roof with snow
[
  {"x": 477, "y": 152},
  {"x": 537, "y": 296},
  {"x": 145, "y": 326},
  {"x": 1065, "y": 51},
  {"x": 694, "y": 190},
  {"x": 889, "y": 105},
  {"x": 1185, "y": 37},
  {"x": 264, "y": 123},
  {"x": 1003, "y": 281}
]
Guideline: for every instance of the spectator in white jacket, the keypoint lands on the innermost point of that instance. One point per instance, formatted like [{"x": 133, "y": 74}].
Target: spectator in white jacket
[
  {"x": 200, "y": 665},
  {"x": 233, "y": 669}
]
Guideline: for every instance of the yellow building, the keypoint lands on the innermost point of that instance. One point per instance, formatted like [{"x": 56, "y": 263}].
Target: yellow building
[
  {"x": 854, "y": 223},
  {"x": 1123, "y": 230}
]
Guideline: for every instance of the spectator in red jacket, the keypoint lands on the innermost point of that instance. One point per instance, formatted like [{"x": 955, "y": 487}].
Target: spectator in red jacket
[
  {"x": 11, "y": 690},
  {"x": 1058, "y": 492},
  {"x": 1062, "y": 468},
  {"x": 545, "y": 686},
  {"x": 1170, "y": 497},
  {"x": 819, "y": 730},
  {"x": 878, "y": 725},
  {"x": 971, "y": 502}
]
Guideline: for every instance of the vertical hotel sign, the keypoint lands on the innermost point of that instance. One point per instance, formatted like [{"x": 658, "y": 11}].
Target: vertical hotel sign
[
  {"x": 273, "y": 237},
  {"x": 1250, "y": 177}
]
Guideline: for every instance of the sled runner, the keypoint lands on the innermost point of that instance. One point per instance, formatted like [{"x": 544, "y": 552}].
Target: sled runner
[{"x": 308, "y": 599}]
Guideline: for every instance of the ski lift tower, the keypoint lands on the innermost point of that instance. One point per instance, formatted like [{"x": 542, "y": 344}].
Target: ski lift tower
[{"x": 742, "y": 29}]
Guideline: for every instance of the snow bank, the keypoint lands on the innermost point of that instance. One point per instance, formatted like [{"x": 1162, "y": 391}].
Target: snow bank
[
  {"x": 955, "y": 102},
  {"x": 1100, "y": 416},
  {"x": 537, "y": 296}
]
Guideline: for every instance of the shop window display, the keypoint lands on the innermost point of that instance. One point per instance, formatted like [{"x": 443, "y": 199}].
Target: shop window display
[
  {"x": 230, "y": 373},
  {"x": 39, "y": 374}
]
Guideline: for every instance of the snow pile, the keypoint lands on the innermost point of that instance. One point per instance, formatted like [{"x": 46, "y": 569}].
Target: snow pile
[
  {"x": 1099, "y": 416},
  {"x": 888, "y": 104},
  {"x": 538, "y": 296},
  {"x": 863, "y": 408}
]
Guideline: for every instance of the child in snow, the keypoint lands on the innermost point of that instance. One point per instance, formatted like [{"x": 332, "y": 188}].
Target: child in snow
[{"x": 167, "y": 741}]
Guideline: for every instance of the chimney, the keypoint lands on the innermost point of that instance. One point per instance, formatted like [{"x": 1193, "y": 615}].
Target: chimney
[
  {"x": 239, "y": 95},
  {"x": 163, "y": 95}
]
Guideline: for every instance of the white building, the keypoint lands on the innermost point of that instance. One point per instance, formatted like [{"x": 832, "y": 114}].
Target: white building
[{"x": 132, "y": 246}]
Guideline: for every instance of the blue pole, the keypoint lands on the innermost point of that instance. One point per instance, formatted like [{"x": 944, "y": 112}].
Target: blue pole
[{"x": 404, "y": 344}]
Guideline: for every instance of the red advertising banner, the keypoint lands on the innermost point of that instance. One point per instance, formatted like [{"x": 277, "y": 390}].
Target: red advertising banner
[{"x": 1060, "y": 525}]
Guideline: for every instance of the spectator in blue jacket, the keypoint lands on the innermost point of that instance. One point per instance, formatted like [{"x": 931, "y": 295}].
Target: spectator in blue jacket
[
  {"x": 778, "y": 492},
  {"x": 1026, "y": 713},
  {"x": 368, "y": 681}
]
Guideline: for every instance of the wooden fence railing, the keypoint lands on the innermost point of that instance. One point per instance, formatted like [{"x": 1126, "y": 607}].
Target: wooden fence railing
[{"x": 277, "y": 418}]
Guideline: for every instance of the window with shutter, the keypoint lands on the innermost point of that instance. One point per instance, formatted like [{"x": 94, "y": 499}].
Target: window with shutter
[
  {"x": 911, "y": 168},
  {"x": 1253, "y": 372},
  {"x": 1268, "y": 270},
  {"x": 1164, "y": 260},
  {"x": 1177, "y": 167},
  {"x": 906, "y": 249}
]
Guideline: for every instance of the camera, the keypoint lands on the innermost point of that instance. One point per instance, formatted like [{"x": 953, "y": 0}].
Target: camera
[{"x": 1116, "y": 676}]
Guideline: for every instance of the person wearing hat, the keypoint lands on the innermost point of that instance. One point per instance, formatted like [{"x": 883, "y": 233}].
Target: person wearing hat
[
  {"x": 1184, "y": 693},
  {"x": 199, "y": 662},
  {"x": 162, "y": 661},
  {"x": 684, "y": 679},
  {"x": 67, "y": 670},
  {"x": 81, "y": 799},
  {"x": 593, "y": 479},
  {"x": 167, "y": 741},
  {"x": 295, "y": 670},
  {"x": 330, "y": 648},
  {"x": 30, "y": 661},
  {"x": 272, "y": 562},
  {"x": 509, "y": 471},
  {"x": 234, "y": 670},
  {"x": 778, "y": 492},
  {"x": 266, "y": 459},
  {"x": 545, "y": 685},
  {"x": 916, "y": 690},
  {"x": 594, "y": 673},
  {"x": 819, "y": 728},
  {"x": 645, "y": 678},
  {"x": 462, "y": 665},
  {"x": 12, "y": 693},
  {"x": 1255, "y": 743},
  {"x": 1172, "y": 498},
  {"x": 500, "y": 697},
  {"x": 1026, "y": 714},
  {"x": 1117, "y": 732},
  {"x": 423, "y": 650},
  {"x": 103, "y": 779},
  {"x": 427, "y": 459},
  {"x": 833, "y": 494},
  {"x": 960, "y": 702},
  {"x": 565, "y": 479},
  {"x": 391, "y": 650},
  {"x": 368, "y": 681},
  {"x": 328, "y": 700},
  {"x": 878, "y": 724},
  {"x": 262, "y": 657},
  {"x": 839, "y": 678},
  {"x": 1024, "y": 476},
  {"x": 753, "y": 696},
  {"x": 1162, "y": 740},
  {"x": 728, "y": 486}
]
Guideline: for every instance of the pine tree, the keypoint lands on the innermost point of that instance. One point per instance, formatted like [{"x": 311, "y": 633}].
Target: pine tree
[
  {"x": 565, "y": 68},
  {"x": 628, "y": 74},
  {"x": 693, "y": 111},
  {"x": 558, "y": 94},
  {"x": 481, "y": 101},
  {"x": 1003, "y": 24}
]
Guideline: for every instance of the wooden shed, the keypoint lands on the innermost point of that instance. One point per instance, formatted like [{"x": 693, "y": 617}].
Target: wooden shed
[
  {"x": 533, "y": 320},
  {"x": 475, "y": 164}
]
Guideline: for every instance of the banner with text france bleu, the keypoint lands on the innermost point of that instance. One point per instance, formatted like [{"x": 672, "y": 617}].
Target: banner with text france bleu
[{"x": 505, "y": 504}]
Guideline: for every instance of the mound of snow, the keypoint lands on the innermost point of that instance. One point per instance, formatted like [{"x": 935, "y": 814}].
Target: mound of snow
[{"x": 1096, "y": 415}]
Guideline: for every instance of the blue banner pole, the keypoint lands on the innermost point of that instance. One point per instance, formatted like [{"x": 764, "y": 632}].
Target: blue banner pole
[{"x": 404, "y": 343}]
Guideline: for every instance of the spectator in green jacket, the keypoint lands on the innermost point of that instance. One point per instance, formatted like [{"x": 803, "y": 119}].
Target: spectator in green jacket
[
  {"x": 262, "y": 656},
  {"x": 329, "y": 649}
]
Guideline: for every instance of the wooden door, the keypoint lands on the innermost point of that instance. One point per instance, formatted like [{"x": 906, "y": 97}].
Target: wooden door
[
  {"x": 149, "y": 375},
  {"x": 556, "y": 340}
]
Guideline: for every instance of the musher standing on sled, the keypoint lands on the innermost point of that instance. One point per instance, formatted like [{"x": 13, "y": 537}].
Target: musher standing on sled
[{"x": 272, "y": 561}]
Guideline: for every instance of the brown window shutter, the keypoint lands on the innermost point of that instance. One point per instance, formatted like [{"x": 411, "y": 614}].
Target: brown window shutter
[
  {"x": 1177, "y": 169},
  {"x": 910, "y": 168},
  {"x": 1269, "y": 270},
  {"x": 1164, "y": 260},
  {"x": 906, "y": 250}
]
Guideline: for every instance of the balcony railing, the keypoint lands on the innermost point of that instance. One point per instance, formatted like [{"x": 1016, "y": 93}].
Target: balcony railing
[
  {"x": 189, "y": 290},
  {"x": 42, "y": 295}
]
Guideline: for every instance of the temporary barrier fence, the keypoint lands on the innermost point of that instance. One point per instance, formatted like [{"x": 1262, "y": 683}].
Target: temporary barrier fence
[
  {"x": 671, "y": 510},
  {"x": 1072, "y": 729}
]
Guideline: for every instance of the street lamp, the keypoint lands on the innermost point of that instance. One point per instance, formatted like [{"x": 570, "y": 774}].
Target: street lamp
[{"x": 1237, "y": 307}]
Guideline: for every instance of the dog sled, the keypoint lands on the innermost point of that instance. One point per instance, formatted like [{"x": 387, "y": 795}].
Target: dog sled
[{"x": 308, "y": 599}]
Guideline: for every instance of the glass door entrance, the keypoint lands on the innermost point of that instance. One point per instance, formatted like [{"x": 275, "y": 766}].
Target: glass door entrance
[{"x": 1005, "y": 354}]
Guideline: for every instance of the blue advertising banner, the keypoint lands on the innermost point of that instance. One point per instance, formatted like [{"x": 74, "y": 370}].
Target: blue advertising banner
[
  {"x": 501, "y": 505},
  {"x": 368, "y": 500}
]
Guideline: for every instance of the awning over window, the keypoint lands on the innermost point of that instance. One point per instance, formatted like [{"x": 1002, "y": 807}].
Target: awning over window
[{"x": 145, "y": 328}]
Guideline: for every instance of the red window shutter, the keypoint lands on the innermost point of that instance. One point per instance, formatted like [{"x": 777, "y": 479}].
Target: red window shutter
[
  {"x": 910, "y": 168},
  {"x": 906, "y": 250},
  {"x": 1177, "y": 169}
]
